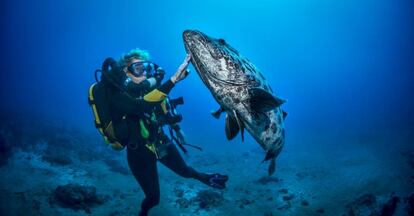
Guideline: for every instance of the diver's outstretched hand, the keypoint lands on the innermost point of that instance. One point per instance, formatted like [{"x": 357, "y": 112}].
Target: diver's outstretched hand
[{"x": 182, "y": 71}]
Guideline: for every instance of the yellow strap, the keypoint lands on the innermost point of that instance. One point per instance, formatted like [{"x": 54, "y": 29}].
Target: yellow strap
[
  {"x": 155, "y": 96},
  {"x": 95, "y": 111}
]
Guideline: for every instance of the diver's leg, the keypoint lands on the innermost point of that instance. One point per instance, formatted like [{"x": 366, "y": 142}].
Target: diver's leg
[
  {"x": 143, "y": 165},
  {"x": 176, "y": 163}
]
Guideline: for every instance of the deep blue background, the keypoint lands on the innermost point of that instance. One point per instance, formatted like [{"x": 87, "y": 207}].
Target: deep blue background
[{"x": 345, "y": 67}]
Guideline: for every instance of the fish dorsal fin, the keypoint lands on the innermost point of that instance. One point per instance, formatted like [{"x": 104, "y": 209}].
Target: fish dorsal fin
[
  {"x": 263, "y": 101},
  {"x": 232, "y": 127}
]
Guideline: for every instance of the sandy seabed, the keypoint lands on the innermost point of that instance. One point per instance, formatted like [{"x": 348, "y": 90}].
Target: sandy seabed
[{"x": 348, "y": 178}]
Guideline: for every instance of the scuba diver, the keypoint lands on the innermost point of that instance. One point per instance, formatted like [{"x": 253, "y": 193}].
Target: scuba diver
[{"x": 139, "y": 109}]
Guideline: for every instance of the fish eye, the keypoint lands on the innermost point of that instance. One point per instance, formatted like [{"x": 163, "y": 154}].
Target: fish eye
[{"x": 222, "y": 41}]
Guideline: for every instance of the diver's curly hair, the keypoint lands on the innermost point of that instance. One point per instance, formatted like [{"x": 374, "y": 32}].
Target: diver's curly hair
[{"x": 126, "y": 58}]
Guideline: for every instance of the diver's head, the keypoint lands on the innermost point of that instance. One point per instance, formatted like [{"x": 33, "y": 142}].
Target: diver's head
[{"x": 135, "y": 64}]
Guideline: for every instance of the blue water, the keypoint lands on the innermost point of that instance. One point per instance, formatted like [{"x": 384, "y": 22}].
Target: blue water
[{"x": 345, "y": 67}]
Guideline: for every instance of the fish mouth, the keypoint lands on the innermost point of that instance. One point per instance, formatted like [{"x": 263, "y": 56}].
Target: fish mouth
[
  {"x": 193, "y": 40},
  {"x": 190, "y": 37}
]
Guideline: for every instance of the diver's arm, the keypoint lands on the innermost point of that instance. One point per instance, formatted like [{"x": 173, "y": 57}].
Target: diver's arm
[
  {"x": 147, "y": 84},
  {"x": 129, "y": 105}
]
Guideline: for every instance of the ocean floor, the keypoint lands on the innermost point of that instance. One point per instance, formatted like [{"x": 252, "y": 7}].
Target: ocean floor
[{"x": 67, "y": 174}]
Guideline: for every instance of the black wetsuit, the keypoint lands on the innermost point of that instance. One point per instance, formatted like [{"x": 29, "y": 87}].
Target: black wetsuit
[{"x": 126, "y": 112}]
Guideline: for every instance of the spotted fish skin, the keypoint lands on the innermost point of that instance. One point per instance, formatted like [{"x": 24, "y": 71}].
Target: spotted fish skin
[{"x": 231, "y": 77}]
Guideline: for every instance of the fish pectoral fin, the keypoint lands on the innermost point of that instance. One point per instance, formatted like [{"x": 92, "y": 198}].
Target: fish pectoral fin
[
  {"x": 263, "y": 101},
  {"x": 232, "y": 127},
  {"x": 216, "y": 114},
  {"x": 239, "y": 123}
]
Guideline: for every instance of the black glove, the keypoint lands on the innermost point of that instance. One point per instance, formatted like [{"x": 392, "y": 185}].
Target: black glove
[{"x": 159, "y": 74}]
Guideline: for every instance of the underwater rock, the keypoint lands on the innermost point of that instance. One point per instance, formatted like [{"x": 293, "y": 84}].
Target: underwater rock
[
  {"x": 363, "y": 205},
  {"x": 410, "y": 204},
  {"x": 288, "y": 197},
  {"x": 320, "y": 210},
  {"x": 267, "y": 179},
  {"x": 57, "y": 156},
  {"x": 283, "y": 190},
  {"x": 77, "y": 197},
  {"x": 369, "y": 204},
  {"x": 58, "y": 159},
  {"x": 208, "y": 198},
  {"x": 390, "y": 206}
]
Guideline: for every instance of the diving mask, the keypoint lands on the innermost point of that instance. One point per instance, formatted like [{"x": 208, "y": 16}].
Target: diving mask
[{"x": 141, "y": 68}]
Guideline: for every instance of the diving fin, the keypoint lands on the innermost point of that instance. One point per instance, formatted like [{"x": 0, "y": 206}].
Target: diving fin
[
  {"x": 216, "y": 114},
  {"x": 232, "y": 127},
  {"x": 215, "y": 180},
  {"x": 263, "y": 101}
]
